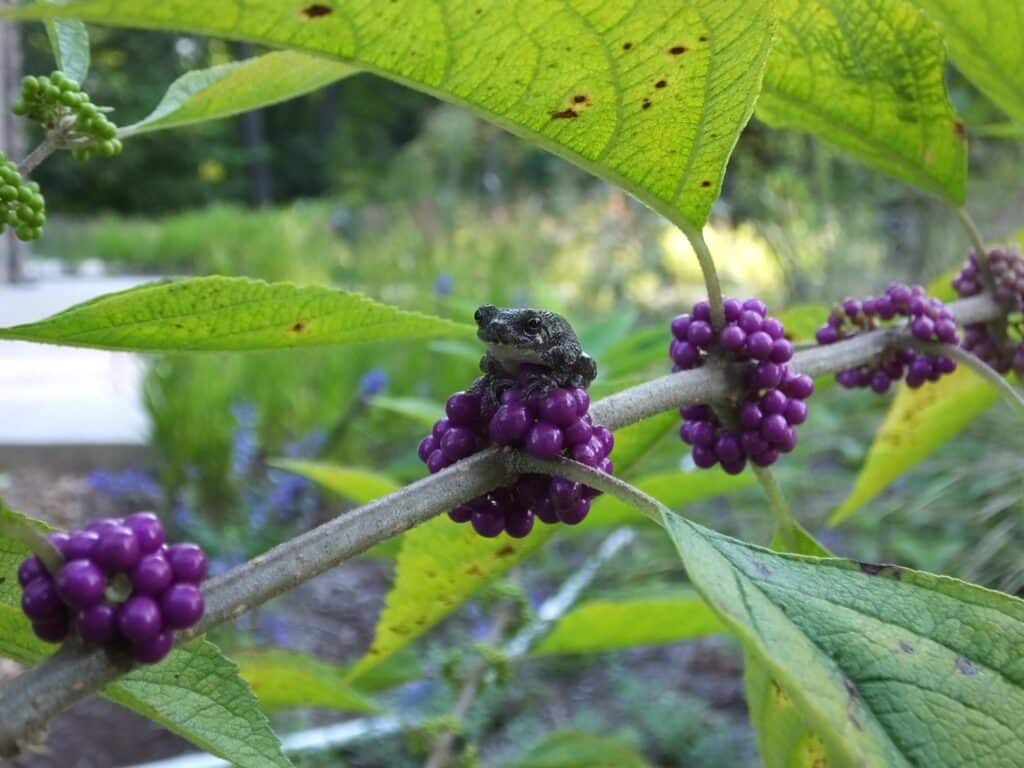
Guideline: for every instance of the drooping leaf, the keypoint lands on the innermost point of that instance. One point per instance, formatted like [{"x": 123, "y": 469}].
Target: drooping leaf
[
  {"x": 418, "y": 409},
  {"x": 868, "y": 77},
  {"x": 984, "y": 42},
  {"x": 650, "y": 95},
  {"x": 634, "y": 442},
  {"x": 196, "y": 693},
  {"x": 283, "y": 679},
  {"x": 918, "y": 422},
  {"x": 354, "y": 483},
  {"x": 608, "y": 625},
  {"x": 579, "y": 749},
  {"x": 673, "y": 489},
  {"x": 872, "y": 656},
  {"x": 69, "y": 40},
  {"x": 228, "y": 89},
  {"x": 229, "y": 313}
]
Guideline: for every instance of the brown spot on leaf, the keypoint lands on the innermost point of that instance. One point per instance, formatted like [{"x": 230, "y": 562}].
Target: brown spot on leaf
[
  {"x": 646, "y": 104},
  {"x": 661, "y": 84},
  {"x": 580, "y": 98},
  {"x": 399, "y": 630},
  {"x": 179, "y": 325},
  {"x": 851, "y": 689},
  {"x": 505, "y": 551},
  {"x": 298, "y": 328},
  {"x": 703, "y": 38},
  {"x": 566, "y": 114},
  {"x": 856, "y": 723},
  {"x": 473, "y": 570},
  {"x": 677, "y": 50},
  {"x": 875, "y": 569},
  {"x": 705, "y": 183},
  {"x": 959, "y": 130},
  {"x": 965, "y": 666},
  {"x": 317, "y": 11},
  {"x": 627, "y": 45},
  {"x": 906, "y": 647}
]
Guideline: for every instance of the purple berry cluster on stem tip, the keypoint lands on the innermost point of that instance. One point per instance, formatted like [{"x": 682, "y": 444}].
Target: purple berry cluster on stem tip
[
  {"x": 760, "y": 420},
  {"x": 546, "y": 424},
  {"x": 1004, "y": 349},
  {"x": 928, "y": 320},
  {"x": 108, "y": 559}
]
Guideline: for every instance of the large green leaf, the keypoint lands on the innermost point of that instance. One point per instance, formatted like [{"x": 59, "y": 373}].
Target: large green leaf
[
  {"x": 608, "y": 625},
  {"x": 419, "y": 409},
  {"x": 650, "y": 95},
  {"x": 984, "y": 39},
  {"x": 867, "y": 76},
  {"x": 195, "y": 692},
  {"x": 634, "y": 442},
  {"x": 229, "y": 313},
  {"x": 285, "y": 679},
  {"x": 918, "y": 422},
  {"x": 227, "y": 89},
  {"x": 359, "y": 485},
  {"x": 69, "y": 40},
  {"x": 579, "y": 749},
  {"x": 891, "y": 667}
]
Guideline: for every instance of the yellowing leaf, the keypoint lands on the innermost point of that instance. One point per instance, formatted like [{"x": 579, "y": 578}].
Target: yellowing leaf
[
  {"x": 867, "y": 76},
  {"x": 288, "y": 679},
  {"x": 606, "y": 625},
  {"x": 229, "y": 313},
  {"x": 359, "y": 485},
  {"x": 650, "y": 95},
  {"x": 918, "y": 422}
]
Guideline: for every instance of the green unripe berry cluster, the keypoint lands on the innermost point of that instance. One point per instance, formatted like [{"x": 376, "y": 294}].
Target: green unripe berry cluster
[
  {"x": 58, "y": 103},
  {"x": 22, "y": 207}
]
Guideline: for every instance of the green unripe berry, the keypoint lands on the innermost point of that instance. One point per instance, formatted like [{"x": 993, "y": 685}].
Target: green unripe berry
[
  {"x": 24, "y": 233},
  {"x": 29, "y": 85},
  {"x": 33, "y": 186},
  {"x": 88, "y": 110},
  {"x": 8, "y": 193},
  {"x": 82, "y": 155},
  {"x": 70, "y": 86},
  {"x": 25, "y": 194},
  {"x": 69, "y": 99},
  {"x": 51, "y": 92},
  {"x": 107, "y": 130},
  {"x": 20, "y": 108},
  {"x": 38, "y": 201}
]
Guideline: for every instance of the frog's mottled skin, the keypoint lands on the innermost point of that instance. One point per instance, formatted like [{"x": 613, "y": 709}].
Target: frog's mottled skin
[{"x": 514, "y": 337}]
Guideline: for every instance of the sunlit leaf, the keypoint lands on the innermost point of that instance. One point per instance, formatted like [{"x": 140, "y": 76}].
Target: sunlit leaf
[
  {"x": 867, "y": 76},
  {"x": 69, "y": 40},
  {"x": 227, "y": 89},
  {"x": 283, "y": 679},
  {"x": 984, "y": 42},
  {"x": 650, "y": 95},
  {"x": 608, "y": 625},
  {"x": 354, "y": 483},
  {"x": 419, "y": 409},
  {"x": 229, "y": 313},
  {"x": 578, "y": 749},
  {"x": 918, "y": 422}
]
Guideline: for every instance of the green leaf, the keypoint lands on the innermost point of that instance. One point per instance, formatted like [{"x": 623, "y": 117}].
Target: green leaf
[
  {"x": 984, "y": 42},
  {"x": 229, "y": 313},
  {"x": 673, "y": 489},
  {"x": 607, "y": 625},
  {"x": 196, "y": 693},
  {"x": 579, "y": 749},
  {"x": 636, "y": 352},
  {"x": 69, "y": 41},
  {"x": 287, "y": 679},
  {"x": 634, "y": 442},
  {"x": 598, "y": 337},
  {"x": 872, "y": 656},
  {"x": 918, "y": 422},
  {"x": 418, "y": 409},
  {"x": 582, "y": 81},
  {"x": 228, "y": 89},
  {"x": 358, "y": 485},
  {"x": 867, "y": 76},
  {"x": 803, "y": 320}
]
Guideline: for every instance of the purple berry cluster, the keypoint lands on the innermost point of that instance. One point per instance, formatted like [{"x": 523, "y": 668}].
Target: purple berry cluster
[
  {"x": 545, "y": 424},
  {"x": 1003, "y": 351},
  {"x": 111, "y": 559},
  {"x": 763, "y": 419},
  {"x": 928, "y": 320}
]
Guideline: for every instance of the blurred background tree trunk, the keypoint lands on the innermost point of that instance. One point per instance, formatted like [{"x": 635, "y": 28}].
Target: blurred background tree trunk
[
  {"x": 13, "y": 252},
  {"x": 257, "y": 151}
]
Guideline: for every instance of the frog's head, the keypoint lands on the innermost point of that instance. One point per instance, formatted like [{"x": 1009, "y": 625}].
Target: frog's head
[{"x": 527, "y": 336}]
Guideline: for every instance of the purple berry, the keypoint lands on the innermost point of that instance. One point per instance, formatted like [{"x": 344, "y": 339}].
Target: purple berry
[
  {"x": 148, "y": 530},
  {"x": 774, "y": 428},
  {"x": 732, "y": 338},
  {"x": 152, "y": 575},
  {"x": 589, "y": 453},
  {"x": 800, "y": 386},
  {"x": 117, "y": 549},
  {"x": 795, "y": 412},
  {"x": 782, "y": 351},
  {"x": 463, "y": 409},
  {"x": 564, "y": 492},
  {"x": 80, "y": 583},
  {"x": 880, "y": 382},
  {"x": 544, "y": 511},
  {"x": 700, "y": 334},
  {"x": 773, "y": 328},
  {"x": 139, "y": 619},
  {"x": 732, "y": 309},
  {"x": 702, "y": 310},
  {"x": 684, "y": 354},
  {"x": 31, "y": 568},
  {"x": 53, "y": 629},
  {"x": 40, "y": 601},
  {"x": 680, "y": 325},
  {"x": 703, "y": 434},
  {"x": 457, "y": 443},
  {"x": 750, "y": 416},
  {"x": 759, "y": 345},
  {"x": 765, "y": 458},
  {"x": 578, "y": 433},
  {"x": 488, "y": 522},
  {"x": 704, "y": 456},
  {"x": 81, "y": 545},
  {"x": 827, "y": 335},
  {"x": 436, "y": 461},
  {"x": 773, "y": 401},
  {"x": 155, "y": 649},
  {"x": 750, "y": 322},
  {"x": 755, "y": 305},
  {"x": 427, "y": 446},
  {"x": 188, "y": 562},
  {"x": 559, "y": 407},
  {"x": 767, "y": 376},
  {"x": 182, "y": 606},
  {"x": 728, "y": 449},
  {"x": 97, "y": 624},
  {"x": 440, "y": 427},
  {"x": 606, "y": 438},
  {"x": 576, "y": 513},
  {"x": 519, "y": 522},
  {"x": 103, "y": 524},
  {"x": 60, "y": 543},
  {"x": 922, "y": 328},
  {"x": 544, "y": 440},
  {"x": 461, "y": 514}
]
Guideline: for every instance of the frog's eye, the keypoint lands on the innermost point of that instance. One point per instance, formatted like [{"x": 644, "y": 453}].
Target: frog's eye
[{"x": 534, "y": 324}]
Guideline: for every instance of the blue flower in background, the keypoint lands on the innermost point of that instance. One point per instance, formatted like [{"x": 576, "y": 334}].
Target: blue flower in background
[
  {"x": 373, "y": 382},
  {"x": 244, "y": 442},
  {"x": 444, "y": 285},
  {"x": 132, "y": 484}
]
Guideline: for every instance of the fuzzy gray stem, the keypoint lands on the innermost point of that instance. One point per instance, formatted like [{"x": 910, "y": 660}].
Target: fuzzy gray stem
[{"x": 30, "y": 700}]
